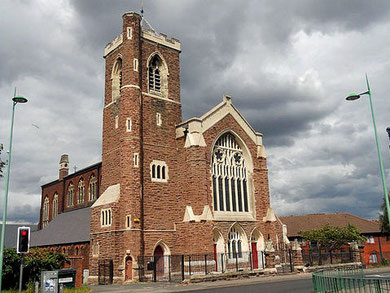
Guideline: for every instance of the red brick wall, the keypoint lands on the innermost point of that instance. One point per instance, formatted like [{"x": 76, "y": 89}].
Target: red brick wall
[
  {"x": 78, "y": 256},
  {"x": 61, "y": 188},
  {"x": 381, "y": 243}
]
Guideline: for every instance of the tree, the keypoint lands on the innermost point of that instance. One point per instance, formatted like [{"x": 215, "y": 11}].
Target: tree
[
  {"x": 1, "y": 162},
  {"x": 384, "y": 219},
  {"x": 35, "y": 261},
  {"x": 331, "y": 237}
]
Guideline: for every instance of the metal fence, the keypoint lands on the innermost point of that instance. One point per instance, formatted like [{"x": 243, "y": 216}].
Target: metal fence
[
  {"x": 179, "y": 267},
  {"x": 105, "y": 271},
  {"x": 348, "y": 279},
  {"x": 320, "y": 257}
]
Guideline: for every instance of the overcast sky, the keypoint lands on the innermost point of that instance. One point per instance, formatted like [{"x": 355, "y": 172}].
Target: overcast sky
[{"x": 287, "y": 65}]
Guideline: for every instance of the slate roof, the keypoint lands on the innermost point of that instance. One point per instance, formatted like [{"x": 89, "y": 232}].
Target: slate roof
[
  {"x": 68, "y": 227},
  {"x": 11, "y": 233},
  {"x": 316, "y": 221}
]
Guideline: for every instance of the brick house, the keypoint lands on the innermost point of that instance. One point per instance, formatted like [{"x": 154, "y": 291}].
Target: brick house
[
  {"x": 164, "y": 186},
  {"x": 376, "y": 246},
  {"x": 64, "y": 224}
]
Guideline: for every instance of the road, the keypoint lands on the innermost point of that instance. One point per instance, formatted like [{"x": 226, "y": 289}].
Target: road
[
  {"x": 294, "y": 286},
  {"x": 294, "y": 283},
  {"x": 301, "y": 283}
]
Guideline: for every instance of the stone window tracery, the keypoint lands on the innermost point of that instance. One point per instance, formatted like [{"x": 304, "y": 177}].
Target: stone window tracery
[{"x": 229, "y": 176}]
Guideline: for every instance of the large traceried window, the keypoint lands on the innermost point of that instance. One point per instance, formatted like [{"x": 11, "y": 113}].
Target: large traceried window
[
  {"x": 229, "y": 176},
  {"x": 55, "y": 205},
  {"x": 45, "y": 211},
  {"x": 70, "y": 196},
  {"x": 92, "y": 188},
  {"x": 81, "y": 191}
]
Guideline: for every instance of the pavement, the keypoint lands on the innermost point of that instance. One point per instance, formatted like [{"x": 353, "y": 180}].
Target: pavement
[{"x": 163, "y": 287}]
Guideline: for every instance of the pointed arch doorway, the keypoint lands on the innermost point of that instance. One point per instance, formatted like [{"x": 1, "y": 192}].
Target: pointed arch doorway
[
  {"x": 128, "y": 268},
  {"x": 257, "y": 249},
  {"x": 159, "y": 260},
  {"x": 219, "y": 250}
]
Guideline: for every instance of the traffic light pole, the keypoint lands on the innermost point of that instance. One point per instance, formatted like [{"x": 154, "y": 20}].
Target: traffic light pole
[{"x": 21, "y": 273}]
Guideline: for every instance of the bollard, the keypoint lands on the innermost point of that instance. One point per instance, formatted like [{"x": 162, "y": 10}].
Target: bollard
[
  {"x": 36, "y": 288},
  {"x": 189, "y": 264},
  {"x": 182, "y": 268},
  {"x": 205, "y": 264},
  {"x": 61, "y": 288}
]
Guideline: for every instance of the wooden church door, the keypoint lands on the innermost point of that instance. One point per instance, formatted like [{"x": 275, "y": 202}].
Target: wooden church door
[
  {"x": 255, "y": 256},
  {"x": 129, "y": 269}
]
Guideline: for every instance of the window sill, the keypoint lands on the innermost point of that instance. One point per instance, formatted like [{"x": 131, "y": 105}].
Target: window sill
[
  {"x": 233, "y": 216},
  {"x": 159, "y": 180}
]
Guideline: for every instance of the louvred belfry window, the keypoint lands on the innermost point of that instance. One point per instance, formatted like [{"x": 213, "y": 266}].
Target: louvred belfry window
[
  {"x": 229, "y": 176},
  {"x": 154, "y": 74}
]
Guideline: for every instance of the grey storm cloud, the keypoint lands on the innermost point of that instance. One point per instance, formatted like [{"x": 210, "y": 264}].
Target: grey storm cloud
[{"x": 286, "y": 64}]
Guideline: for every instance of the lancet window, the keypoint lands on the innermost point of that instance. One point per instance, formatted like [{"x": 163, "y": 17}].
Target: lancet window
[
  {"x": 69, "y": 197},
  {"x": 81, "y": 192},
  {"x": 116, "y": 80},
  {"x": 46, "y": 211},
  {"x": 55, "y": 205},
  {"x": 92, "y": 188},
  {"x": 154, "y": 74}
]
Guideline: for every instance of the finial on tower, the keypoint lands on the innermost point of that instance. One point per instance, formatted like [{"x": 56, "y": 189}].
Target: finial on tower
[{"x": 142, "y": 8}]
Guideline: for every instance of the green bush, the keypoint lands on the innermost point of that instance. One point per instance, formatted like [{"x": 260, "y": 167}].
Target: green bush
[{"x": 35, "y": 261}]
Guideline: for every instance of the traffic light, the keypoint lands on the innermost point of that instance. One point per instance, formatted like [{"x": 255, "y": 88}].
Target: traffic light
[{"x": 23, "y": 243}]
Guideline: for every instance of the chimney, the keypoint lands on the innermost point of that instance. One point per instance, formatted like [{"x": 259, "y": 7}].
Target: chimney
[{"x": 64, "y": 166}]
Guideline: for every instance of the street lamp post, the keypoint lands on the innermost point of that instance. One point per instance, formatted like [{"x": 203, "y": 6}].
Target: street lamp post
[
  {"x": 388, "y": 132},
  {"x": 15, "y": 100},
  {"x": 353, "y": 97}
]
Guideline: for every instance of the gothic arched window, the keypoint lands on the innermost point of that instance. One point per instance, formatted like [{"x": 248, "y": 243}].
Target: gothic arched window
[
  {"x": 55, "y": 205},
  {"x": 69, "y": 197},
  {"x": 229, "y": 176},
  {"x": 81, "y": 192},
  {"x": 157, "y": 76},
  {"x": 154, "y": 74},
  {"x": 92, "y": 188},
  {"x": 45, "y": 211},
  {"x": 234, "y": 243},
  {"x": 116, "y": 80}
]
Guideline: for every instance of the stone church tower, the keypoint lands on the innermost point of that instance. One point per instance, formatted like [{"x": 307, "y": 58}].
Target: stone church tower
[{"x": 170, "y": 187}]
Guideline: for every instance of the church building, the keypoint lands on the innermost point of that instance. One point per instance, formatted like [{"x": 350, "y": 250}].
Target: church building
[{"x": 164, "y": 186}]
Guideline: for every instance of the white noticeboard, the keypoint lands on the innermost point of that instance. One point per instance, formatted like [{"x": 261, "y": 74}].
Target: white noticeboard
[{"x": 65, "y": 280}]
